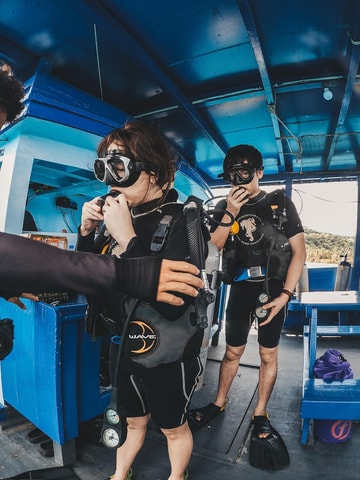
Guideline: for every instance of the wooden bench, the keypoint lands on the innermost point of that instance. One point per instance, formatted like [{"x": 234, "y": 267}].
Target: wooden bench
[{"x": 321, "y": 399}]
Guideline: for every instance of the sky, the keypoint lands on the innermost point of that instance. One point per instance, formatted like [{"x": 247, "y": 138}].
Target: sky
[{"x": 329, "y": 207}]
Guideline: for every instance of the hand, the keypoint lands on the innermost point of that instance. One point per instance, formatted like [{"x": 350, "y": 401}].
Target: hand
[
  {"x": 275, "y": 306},
  {"x": 19, "y": 303},
  {"x": 118, "y": 220},
  {"x": 91, "y": 216},
  {"x": 178, "y": 277},
  {"x": 237, "y": 197}
]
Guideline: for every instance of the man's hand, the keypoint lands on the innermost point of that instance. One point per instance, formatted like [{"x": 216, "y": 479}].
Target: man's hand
[
  {"x": 19, "y": 303},
  {"x": 177, "y": 277},
  {"x": 237, "y": 197},
  {"x": 274, "y": 306}
]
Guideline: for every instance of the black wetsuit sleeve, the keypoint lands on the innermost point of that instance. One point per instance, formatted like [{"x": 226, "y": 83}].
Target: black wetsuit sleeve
[
  {"x": 31, "y": 266},
  {"x": 86, "y": 243}
]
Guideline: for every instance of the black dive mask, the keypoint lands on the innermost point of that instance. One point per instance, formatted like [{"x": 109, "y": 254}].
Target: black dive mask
[
  {"x": 240, "y": 174},
  {"x": 120, "y": 169}
]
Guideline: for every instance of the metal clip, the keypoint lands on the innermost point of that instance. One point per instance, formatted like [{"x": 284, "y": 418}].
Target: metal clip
[{"x": 161, "y": 233}]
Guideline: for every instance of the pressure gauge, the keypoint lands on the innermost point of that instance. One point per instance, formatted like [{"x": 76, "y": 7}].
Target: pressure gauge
[
  {"x": 263, "y": 298},
  {"x": 110, "y": 437},
  {"x": 112, "y": 416},
  {"x": 261, "y": 312}
]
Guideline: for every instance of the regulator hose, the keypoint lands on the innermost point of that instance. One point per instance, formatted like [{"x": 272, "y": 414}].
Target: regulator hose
[{"x": 192, "y": 212}]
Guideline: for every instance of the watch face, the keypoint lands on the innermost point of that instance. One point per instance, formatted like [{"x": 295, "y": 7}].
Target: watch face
[
  {"x": 112, "y": 416},
  {"x": 110, "y": 438}
]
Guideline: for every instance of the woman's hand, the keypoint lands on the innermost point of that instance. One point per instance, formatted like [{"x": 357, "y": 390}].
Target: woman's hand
[
  {"x": 91, "y": 216},
  {"x": 118, "y": 220}
]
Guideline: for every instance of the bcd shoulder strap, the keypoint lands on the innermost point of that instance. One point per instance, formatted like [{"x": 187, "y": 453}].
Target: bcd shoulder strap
[
  {"x": 279, "y": 251},
  {"x": 192, "y": 211},
  {"x": 171, "y": 213},
  {"x": 277, "y": 201}
]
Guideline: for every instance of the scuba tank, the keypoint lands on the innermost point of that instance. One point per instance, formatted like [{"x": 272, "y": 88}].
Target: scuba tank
[{"x": 342, "y": 274}]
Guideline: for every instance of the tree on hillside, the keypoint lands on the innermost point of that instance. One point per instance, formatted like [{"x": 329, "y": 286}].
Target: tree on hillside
[{"x": 328, "y": 248}]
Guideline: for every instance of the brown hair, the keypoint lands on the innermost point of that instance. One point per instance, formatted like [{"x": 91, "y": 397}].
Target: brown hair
[{"x": 147, "y": 144}]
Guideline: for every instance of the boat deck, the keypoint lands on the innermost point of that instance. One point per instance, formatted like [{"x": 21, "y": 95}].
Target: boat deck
[{"x": 220, "y": 449}]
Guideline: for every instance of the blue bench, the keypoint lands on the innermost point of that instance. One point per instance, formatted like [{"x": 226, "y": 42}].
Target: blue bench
[{"x": 320, "y": 399}]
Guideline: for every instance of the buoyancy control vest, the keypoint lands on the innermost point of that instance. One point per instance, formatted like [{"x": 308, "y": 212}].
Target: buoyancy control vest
[
  {"x": 261, "y": 235},
  {"x": 150, "y": 339},
  {"x": 108, "y": 315}
]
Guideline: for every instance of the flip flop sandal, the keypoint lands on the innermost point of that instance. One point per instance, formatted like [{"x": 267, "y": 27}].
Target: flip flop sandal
[
  {"x": 200, "y": 417},
  {"x": 261, "y": 425},
  {"x": 37, "y": 436},
  {"x": 47, "y": 448}
]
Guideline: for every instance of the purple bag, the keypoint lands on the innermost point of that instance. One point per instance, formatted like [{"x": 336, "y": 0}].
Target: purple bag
[
  {"x": 333, "y": 431},
  {"x": 332, "y": 366}
]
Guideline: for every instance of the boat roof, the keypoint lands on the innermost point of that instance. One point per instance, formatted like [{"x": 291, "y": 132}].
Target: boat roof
[{"x": 211, "y": 74}]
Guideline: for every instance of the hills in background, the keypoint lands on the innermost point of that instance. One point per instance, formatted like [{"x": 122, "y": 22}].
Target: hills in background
[{"x": 327, "y": 247}]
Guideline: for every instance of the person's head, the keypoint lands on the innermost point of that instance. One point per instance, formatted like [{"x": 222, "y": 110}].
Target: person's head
[
  {"x": 11, "y": 95},
  {"x": 136, "y": 158},
  {"x": 242, "y": 164}
]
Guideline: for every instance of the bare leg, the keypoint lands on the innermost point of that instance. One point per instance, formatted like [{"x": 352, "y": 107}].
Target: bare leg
[
  {"x": 267, "y": 378},
  {"x": 126, "y": 454},
  {"x": 180, "y": 445},
  {"x": 228, "y": 369}
]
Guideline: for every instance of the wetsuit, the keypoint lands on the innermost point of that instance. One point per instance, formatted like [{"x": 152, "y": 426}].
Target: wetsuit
[
  {"x": 32, "y": 266},
  {"x": 164, "y": 391},
  {"x": 255, "y": 220}
]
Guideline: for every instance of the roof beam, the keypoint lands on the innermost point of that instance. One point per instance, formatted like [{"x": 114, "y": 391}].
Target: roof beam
[
  {"x": 338, "y": 121},
  {"x": 141, "y": 54},
  {"x": 250, "y": 26}
]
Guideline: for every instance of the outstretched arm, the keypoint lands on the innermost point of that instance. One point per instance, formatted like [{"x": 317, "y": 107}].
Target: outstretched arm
[{"x": 28, "y": 265}]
